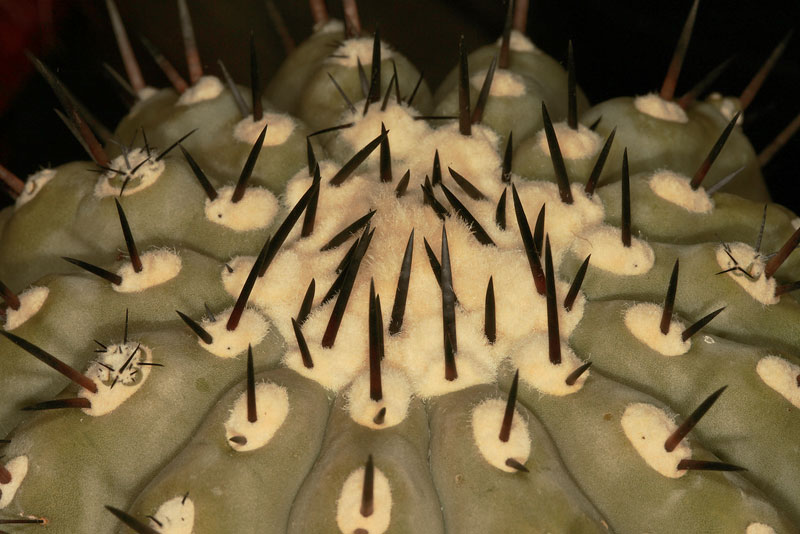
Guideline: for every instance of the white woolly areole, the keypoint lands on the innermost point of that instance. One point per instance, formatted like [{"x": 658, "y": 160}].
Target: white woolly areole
[
  {"x": 146, "y": 92},
  {"x": 255, "y": 210},
  {"x": 655, "y": 106},
  {"x": 574, "y": 144},
  {"x": 756, "y": 285},
  {"x": 18, "y": 467},
  {"x": 118, "y": 378},
  {"x": 532, "y": 358},
  {"x": 728, "y": 106},
  {"x": 279, "y": 127},
  {"x": 781, "y": 375},
  {"x": 643, "y": 320},
  {"x": 518, "y": 42},
  {"x": 648, "y": 427},
  {"x": 348, "y": 507},
  {"x": 272, "y": 407},
  {"x": 110, "y": 183},
  {"x": 175, "y": 516},
  {"x": 30, "y": 302},
  {"x": 158, "y": 266},
  {"x": 226, "y": 343},
  {"x": 330, "y": 26},
  {"x": 206, "y": 88},
  {"x": 487, "y": 418},
  {"x": 677, "y": 189},
  {"x": 351, "y": 50},
  {"x": 33, "y": 185},
  {"x": 396, "y": 397},
  {"x": 504, "y": 83},
  {"x": 604, "y": 243},
  {"x": 759, "y": 528}
]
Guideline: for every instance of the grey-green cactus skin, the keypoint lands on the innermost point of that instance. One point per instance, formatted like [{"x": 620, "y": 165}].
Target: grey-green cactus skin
[
  {"x": 545, "y": 80},
  {"x": 579, "y": 423},
  {"x": 103, "y": 458},
  {"x": 751, "y": 409},
  {"x": 475, "y": 498},
  {"x": 689, "y": 143},
  {"x": 582, "y": 476},
  {"x": 232, "y": 491}
]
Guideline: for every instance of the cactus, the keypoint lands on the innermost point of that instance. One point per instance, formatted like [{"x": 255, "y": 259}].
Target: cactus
[{"x": 564, "y": 300}]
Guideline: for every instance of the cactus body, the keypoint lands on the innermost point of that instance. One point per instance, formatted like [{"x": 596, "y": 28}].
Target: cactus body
[{"x": 389, "y": 326}]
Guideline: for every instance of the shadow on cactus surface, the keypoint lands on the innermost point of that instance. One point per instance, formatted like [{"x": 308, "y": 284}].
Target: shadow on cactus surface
[{"x": 342, "y": 301}]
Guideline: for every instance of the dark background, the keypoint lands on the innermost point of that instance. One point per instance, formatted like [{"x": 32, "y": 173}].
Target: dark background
[{"x": 622, "y": 47}]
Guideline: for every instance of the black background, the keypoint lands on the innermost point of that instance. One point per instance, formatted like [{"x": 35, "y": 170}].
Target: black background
[{"x": 622, "y": 47}]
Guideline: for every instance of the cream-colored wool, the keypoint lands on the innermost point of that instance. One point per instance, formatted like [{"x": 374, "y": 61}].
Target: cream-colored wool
[
  {"x": 33, "y": 185},
  {"x": 254, "y": 211},
  {"x": 653, "y": 105},
  {"x": 643, "y": 320},
  {"x": 110, "y": 183},
  {"x": 348, "y": 506},
  {"x": 647, "y": 427},
  {"x": 574, "y": 144},
  {"x": 116, "y": 382},
  {"x": 30, "y": 302},
  {"x": 676, "y": 188},
  {"x": 18, "y": 467},
  {"x": 604, "y": 243},
  {"x": 756, "y": 285},
  {"x": 175, "y": 516},
  {"x": 781, "y": 375},
  {"x": 487, "y": 418},
  {"x": 272, "y": 408},
  {"x": 206, "y": 88},
  {"x": 158, "y": 266},
  {"x": 279, "y": 127}
]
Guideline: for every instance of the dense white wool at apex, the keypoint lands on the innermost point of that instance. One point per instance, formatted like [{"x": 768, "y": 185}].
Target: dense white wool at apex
[
  {"x": 348, "y": 507},
  {"x": 148, "y": 171},
  {"x": 405, "y": 134},
  {"x": 653, "y": 105},
  {"x": 676, "y": 188},
  {"x": 574, "y": 144},
  {"x": 604, "y": 243},
  {"x": 175, "y": 516},
  {"x": 759, "y": 528},
  {"x": 414, "y": 143},
  {"x": 254, "y": 211},
  {"x": 643, "y": 320},
  {"x": 206, "y": 88},
  {"x": 647, "y": 427},
  {"x": 272, "y": 408},
  {"x": 564, "y": 223},
  {"x": 158, "y": 266},
  {"x": 532, "y": 358},
  {"x": 351, "y": 50},
  {"x": 30, "y": 302},
  {"x": 487, "y": 419},
  {"x": 33, "y": 185},
  {"x": 518, "y": 42},
  {"x": 504, "y": 83},
  {"x": 396, "y": 396},
  {"x": 252, "y": 328},
  {"x": 279, "y": 127},
  {"x": 18, "y": 467},
  {"x": 118, "y": 373},
  {"x": 781, "y": 375},
  {"x": 756, "y": 284}
]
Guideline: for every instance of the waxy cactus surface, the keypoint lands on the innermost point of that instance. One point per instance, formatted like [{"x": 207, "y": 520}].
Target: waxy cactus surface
[{"x": 488, "y": 308}]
